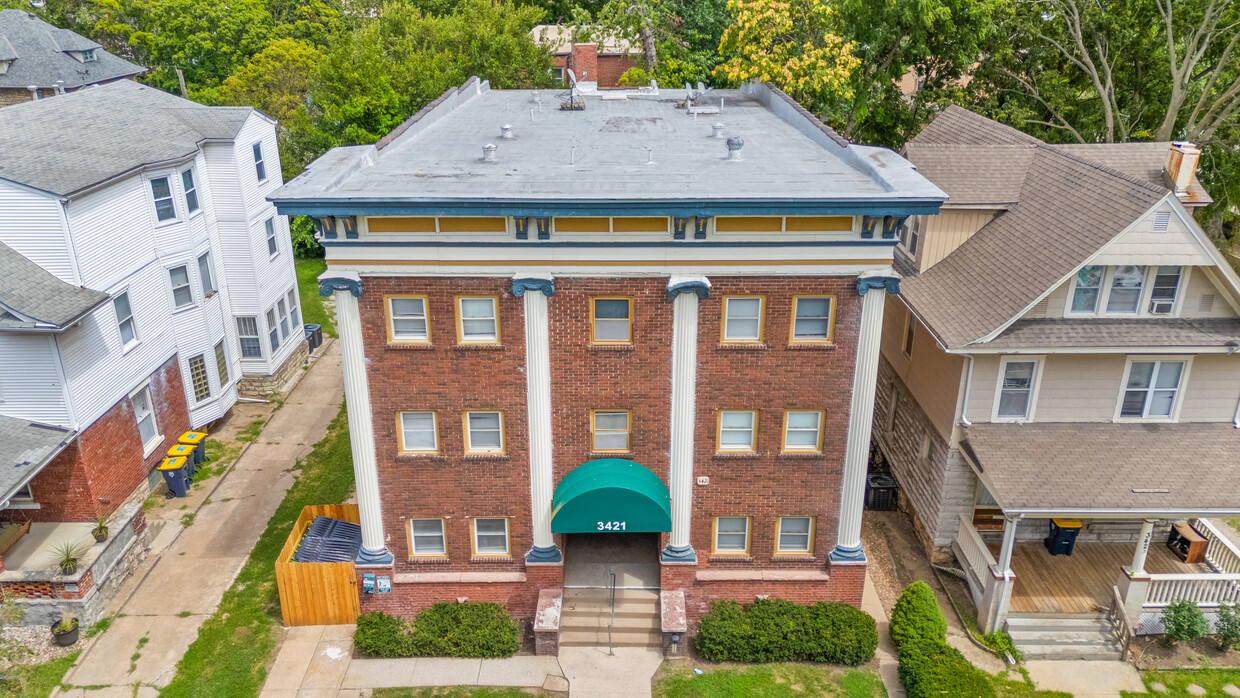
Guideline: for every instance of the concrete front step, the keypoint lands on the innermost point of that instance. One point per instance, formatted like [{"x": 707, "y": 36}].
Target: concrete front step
[
  {"x": 1067, "y": 637},
  {"x": 587, "y": 612},
  {"x": 630, "y": 637}
]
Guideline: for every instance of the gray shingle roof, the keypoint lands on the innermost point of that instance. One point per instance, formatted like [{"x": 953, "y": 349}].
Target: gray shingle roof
[
  {"x": 25, "y": 448},
  {"x": 39, "y": 56},
  {"x": 1103, "y": 332},
  {"x": 65, "y": 144},
  {"x": 31, "y": 291},
  {"x": 1089, "y": 466}
]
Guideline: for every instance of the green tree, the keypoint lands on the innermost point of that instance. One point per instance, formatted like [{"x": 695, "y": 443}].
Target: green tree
[
  {"x": 207, "y": 39},
  {"x": 275, "y": 80}
]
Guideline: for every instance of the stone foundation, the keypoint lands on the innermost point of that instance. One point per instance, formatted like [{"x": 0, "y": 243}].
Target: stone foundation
[{"x": 259, "y": 385}]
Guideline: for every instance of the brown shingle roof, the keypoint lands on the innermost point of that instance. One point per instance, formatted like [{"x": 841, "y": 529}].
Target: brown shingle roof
[
  {"x": 1145, "y": 161},
  {"x": 959, "y": 126},
  {"x": 1104, "y": 332},
  {"x": 1134, "y": 468},
  {"x": 973, "y": 176}
]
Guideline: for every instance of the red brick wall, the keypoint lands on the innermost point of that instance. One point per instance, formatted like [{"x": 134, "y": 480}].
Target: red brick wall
[
  {"x": 407, "y": 599},
  {"x": 104, "y": 465},
  {"x": 610, "y": 68},
  {"x": 845, "y": 585}
]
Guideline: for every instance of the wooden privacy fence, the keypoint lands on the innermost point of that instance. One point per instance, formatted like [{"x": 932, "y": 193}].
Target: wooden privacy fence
[{"x": 317, "y": 593}]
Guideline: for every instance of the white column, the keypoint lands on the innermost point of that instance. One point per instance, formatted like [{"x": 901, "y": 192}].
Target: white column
[
  {"x": 1143, "y": 549},
  {"x": 536, "y": 290},
  {"x": 348, "y": 287},
  {"x": 684, "y": 292},
  {"x": 1005, "y": 548},
  {"x": 873, "y": 287}
]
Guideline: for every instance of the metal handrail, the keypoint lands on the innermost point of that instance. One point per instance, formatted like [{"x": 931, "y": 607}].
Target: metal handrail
[{"x": 611, "y": 650}]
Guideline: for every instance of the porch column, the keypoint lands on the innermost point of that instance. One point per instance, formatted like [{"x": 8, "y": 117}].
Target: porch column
[
  {"x": 1143, "y": 549},
  {"x": 684, "y": 292},
  {"x": 873, "y": 288},
  {"x": 998, "y": 594},
  {"x": 347, "y": 287},
  {"x": 536, "y": 289}
]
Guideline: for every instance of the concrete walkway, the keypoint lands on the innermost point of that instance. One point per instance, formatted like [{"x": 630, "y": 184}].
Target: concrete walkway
[
  {"x": 182, "y": 585},
  {"x": 886, "y": 654},
  {"x": 1085, "y": 679}
]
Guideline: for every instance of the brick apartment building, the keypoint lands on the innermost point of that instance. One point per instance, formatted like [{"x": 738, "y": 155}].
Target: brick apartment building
[
  {"x": 627, "y": 340},
  {"x": 599, "y": 63}
]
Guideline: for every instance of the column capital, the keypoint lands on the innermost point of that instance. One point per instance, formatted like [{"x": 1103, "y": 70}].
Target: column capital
[
  {"x": 886, "y": 279},
  {"x": 533, "y": 282},
  {"x": 677, "y": 285},
  {"x": 347, "y": 281}
]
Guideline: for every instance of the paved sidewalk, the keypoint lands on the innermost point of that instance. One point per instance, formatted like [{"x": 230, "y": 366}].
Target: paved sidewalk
[
  {"x": 1085, "y": 679},
  {"x": 182, "y": 587},
  {"x": 591, "y": 673},
  {"x": 886, "y": 654}
]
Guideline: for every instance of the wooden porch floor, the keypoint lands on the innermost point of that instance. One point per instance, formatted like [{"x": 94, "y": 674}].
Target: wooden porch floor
[{"x": 1080, "y": 582}]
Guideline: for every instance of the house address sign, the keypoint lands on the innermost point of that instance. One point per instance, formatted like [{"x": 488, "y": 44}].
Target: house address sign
[{"x": 611, "y": 525}]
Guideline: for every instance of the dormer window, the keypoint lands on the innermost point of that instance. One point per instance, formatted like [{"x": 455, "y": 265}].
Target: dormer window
[
  {"x": 1124, "y": 290},
  {"x": 1166, "y": 284},
  {"x": 88, "y": 56},
  {"x": 1126, "y": 285}
]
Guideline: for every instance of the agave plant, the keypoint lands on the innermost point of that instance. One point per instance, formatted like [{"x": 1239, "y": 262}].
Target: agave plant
[{"x": 68, "y": 555}]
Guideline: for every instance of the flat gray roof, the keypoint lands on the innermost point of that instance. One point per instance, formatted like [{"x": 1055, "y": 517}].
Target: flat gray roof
[{"x": 642, "y": 147}]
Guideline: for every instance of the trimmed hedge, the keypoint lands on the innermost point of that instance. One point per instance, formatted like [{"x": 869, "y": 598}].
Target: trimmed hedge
[
  {"x": 471, "y": 629},
  {"x": 917, "y": 616},
  {"x": 774, "y": 630}
]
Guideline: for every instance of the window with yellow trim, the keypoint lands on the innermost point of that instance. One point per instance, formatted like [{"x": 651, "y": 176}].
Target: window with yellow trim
[
  {"x": 742, "y": 319},
  {"x": 796, "y": 534},
  {"x": 611, "y": 320},
  {"x": 731, "y": 535},
  {"x": 611, "y": 430},
  {"x": 419, "y": 432},
  {"x": 737, "y": 431},
  {"x": 812, "y": 317},
  {"x": 484, "y": 432},
  {"x": 477, "y": 319},
  {"x": 490, "y": 536},
  {"x": 803, "y": 431},
  {"x": 426, "y": 538},
  {"x": 408, "y": 321}
]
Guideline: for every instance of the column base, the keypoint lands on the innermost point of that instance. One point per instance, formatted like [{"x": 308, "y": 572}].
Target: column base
[
  {"x": 848, "y": 554},
  {"x": 543, "y": 555},
  {"x": 674, "y": 553},
  {"x": 366, "y": 556}
]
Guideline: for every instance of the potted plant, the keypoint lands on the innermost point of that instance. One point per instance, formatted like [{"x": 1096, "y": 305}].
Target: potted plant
[
  {"x": 100, "y": 531},
  {"x": 65, "y": 630},
  {"x": 68, "y": 556}
]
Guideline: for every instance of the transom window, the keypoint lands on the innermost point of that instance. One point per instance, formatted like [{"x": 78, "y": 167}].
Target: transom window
[
  {"x": 484, "y": 432},
  {"x": 221, "y": 363},
  {"x": 270, "y": 226},
  {"x": 1126, "y": 285},
  {"x": 198, "y": 375},
  {"x": 204, "y": 274},
  {"x": 1166, "y": 285},
  {"x": 732, "y": 535},
  {"x": 737, "y": 430},
  {"x": 811, "y": 318},
  {"x": 191, "y": 191},
  {"x": 161, "y": 191},
  {"x": 795, "y": 534},
  {"x": 247, "y": 332},
  {"x": 143, "y": 413},
  {"x": 1016, "y": 389},
  {"x": 1151, "y": 388},
  {"x": 260, "y": 169},
  {"x": 742, "y": 319},
  {"x": 182, "y": 294},
  {"x": 419, "y": 432},
  {"x": 611, "y": 429},
  {"x": 490, "y": 536},
  {"x": 426, "y": 537},
  {"x": 803, "y": 430},
  {"x": 611, "y": 320},
  {"x": 124, "y": 319},
  {"x": 407, "y": 320},
  {"x": 477, "y": 320}
]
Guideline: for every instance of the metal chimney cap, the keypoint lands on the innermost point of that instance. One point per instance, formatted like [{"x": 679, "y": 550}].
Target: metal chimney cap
[
  {"x": 488, "y": 152},
  {"x": 505, "y": 131},
  {"x": 716, "y": 130}
]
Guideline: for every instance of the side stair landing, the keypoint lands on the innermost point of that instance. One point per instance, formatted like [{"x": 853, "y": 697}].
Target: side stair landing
[{"x": 1052, "y": 636}]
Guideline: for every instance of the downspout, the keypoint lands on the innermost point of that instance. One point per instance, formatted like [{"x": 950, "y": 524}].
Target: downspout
[
  {"x": 968, "y": 385},
  {"x": 64, "y": 384}
]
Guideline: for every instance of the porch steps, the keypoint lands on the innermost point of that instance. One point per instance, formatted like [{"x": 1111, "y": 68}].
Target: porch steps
[
  {"x": 1085, "y": 636},
  {"x": 586, "y": 613}
]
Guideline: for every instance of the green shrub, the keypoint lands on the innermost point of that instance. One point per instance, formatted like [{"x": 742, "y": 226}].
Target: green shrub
[
  {"x": 774, "y": 630},
  {"x": 917, "y": 616},
  {"x": 950, "y": 676},
  {"x": 1001, "y": 642},
  {"x": 916, "y": 653},
  {"x": 1227, "y": 627},
  {"x": 381, "y": 635},
  {"x": 472, "y": 629},
  {"x": 1183, "y": 621}
]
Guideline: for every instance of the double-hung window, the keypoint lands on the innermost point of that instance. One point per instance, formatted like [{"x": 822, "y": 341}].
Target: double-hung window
[
  {"x": 1087, "y": 289},
  {"x": 161, "y": 191},
  {"x": 182, "y": 294},
  {"x": 477, "y": 319},
  {"x": 273, "y": 331},
  {"x": 426, "y": 538},
  {"x": 270, "y": 226},
  {"x": 124, "y": 320},
  {"x": 1016, "y": 389},
  {"x": 737, "y": 431},
  {"x": 811, "y": 319},
  {"x": 742, "y": 319},
  {"x": 191, "y": 190},
  {"x": 144, "y": 415},
  {"x": 419, "y": 432},
  {"x": 1127, "y": 283},
  {"x": 294, "y": 312},
  {"x": 796, "y": 534},
  {"x": 611, "y": 321},
  {"x": 283, "y": 308},
  {"x": 731, "y": 535},
  {"x": 247, "y": 332},
  {"x": 490, "y": 536},
  {"x": 260, "y": 169},
  {"x": 198, "y": 376},
  {"x": 803, "y": 431},
  {"x": 204, "y": 274},
  {"x": 1151, "y": 388},
  {"x": 407, "y": 320},
  {"x": 221, "y": 363},
  {"x": 1166, "y": 286},
  {"x": 611, "y": 429},
  {"x": 484, "y": 432}
]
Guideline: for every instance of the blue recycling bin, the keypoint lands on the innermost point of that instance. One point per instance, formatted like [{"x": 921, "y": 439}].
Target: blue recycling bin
[{"x": 176, "y": 475}]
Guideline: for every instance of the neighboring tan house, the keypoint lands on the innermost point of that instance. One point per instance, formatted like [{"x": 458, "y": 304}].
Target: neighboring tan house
[
  {"x": 596, "y": 63},
  {"x": 144, "y": 280},
  {"x": 1063, "y": 348},
  {"x": 39, "y": 60}
]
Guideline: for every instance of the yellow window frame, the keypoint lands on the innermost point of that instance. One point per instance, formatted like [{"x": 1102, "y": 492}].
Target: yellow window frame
[
  {"x": 503, "y": 442},
  {"x": 792, "y": 323},
  {"x": 473, "y": 537},
  {"x": 593, "y": 319},
  {"x": 813, "y": 529},
  {"x": 723, "y": 320},
  {"x": 460, "y": 320},
  {"x": 783, "y": 445},
  {"x": 628, "y": 431},
  {"x": 714, "y": 536},
  {"x": 400, "y": 433},
  {"x": 389, "y": 317},
  {"x": 753, "y": 440},
  {"x": 443, "y": 529}
]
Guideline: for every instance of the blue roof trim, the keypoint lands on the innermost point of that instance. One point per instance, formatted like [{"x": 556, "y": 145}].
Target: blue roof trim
[
  {"x": 686, "y": 244},
  {"x": 670, "y": 207}
]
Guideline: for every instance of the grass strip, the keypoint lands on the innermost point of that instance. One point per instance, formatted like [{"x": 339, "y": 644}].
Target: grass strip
[
  {"x": 678, "y": 680},
  {"x": 312, "y": 310},
  {"x": 1177, "y": 682},
  {"x": 230, "y": 656}
]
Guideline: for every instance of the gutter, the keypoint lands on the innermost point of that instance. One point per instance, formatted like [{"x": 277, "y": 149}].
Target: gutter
[{"x": 968, "y": 387}]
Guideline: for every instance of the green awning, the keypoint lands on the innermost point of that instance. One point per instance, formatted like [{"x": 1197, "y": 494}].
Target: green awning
[{"x": 611, "y": 495}]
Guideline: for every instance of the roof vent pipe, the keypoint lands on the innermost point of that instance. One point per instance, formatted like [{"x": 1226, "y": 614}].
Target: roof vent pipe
[
  {"x": 735, "y": 143},
  {"x": 716, "y": 131},
  {"x": 488, "y": 152},
  {"x": 34, "y": 91},
  {"x": 60, "y": 87},
  {"x": 505, "y": 132}
]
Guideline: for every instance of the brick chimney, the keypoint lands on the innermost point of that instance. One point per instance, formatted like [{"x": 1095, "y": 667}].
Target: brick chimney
[
  {"x": 584, "y": 62},
  {"x": 1182, "y": 165}
]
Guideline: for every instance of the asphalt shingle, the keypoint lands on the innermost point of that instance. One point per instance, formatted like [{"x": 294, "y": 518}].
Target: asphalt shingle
[
  {"x": 33, "y": 292},
  {"x": 37, "y": 50},
  {"x": 25, "y": 448},
  {"x": 1106, "y": 332}
]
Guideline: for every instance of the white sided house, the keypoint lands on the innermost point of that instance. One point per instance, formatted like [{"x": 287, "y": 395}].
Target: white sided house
[
  {"x": 144, "y": 281},
  {"x": 1061, "y": 365}
]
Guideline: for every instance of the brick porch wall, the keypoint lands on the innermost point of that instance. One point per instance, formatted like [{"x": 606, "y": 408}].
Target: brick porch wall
[{"x": 409, "y": 598}]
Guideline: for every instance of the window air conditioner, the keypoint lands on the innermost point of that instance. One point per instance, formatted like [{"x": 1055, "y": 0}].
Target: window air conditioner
[{"x": 1161, "y": 307}]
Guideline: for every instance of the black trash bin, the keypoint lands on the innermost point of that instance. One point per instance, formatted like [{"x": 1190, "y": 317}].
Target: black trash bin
[
  {"x": 880, "y": 492},
  {"x": 1062, "y": 537},
  {"x": 176, "y": 475},
  {"x": 314, "y": 335}
]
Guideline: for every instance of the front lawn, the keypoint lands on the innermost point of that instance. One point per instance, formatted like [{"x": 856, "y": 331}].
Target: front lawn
[
  {"x": 1177, "y": 682},
  {"x": 312, "y": 310},
  {"x": 678, "y": 680}
]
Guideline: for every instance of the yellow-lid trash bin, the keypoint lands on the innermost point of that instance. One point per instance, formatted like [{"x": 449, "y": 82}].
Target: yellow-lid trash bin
[
  {"x": 192, "y": 437},
  {"x": 180, "y": 450},
  {"x": 173, "y": 470},
  {"x": 1068, "y": 523}
]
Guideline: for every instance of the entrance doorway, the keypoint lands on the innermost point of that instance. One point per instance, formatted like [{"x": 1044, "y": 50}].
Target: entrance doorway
[
  {"x": 590, "y": 560},
  {"x": 595, "y": 615}
]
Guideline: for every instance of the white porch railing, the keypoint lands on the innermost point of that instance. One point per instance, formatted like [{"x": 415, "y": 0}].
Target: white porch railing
[
  {"x": 1221, "y": 553},
  {"x": 974, "y": 551},
  {"x": 1205, "y": 589}
]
